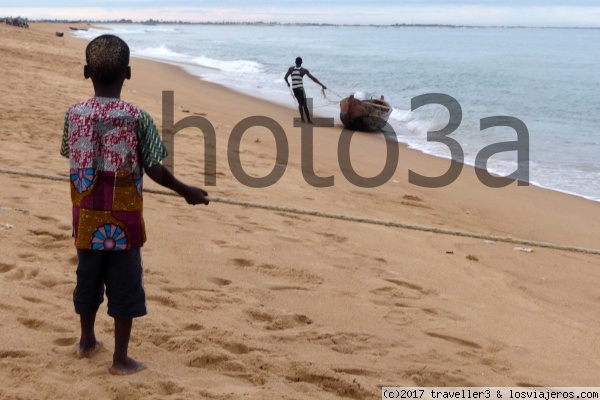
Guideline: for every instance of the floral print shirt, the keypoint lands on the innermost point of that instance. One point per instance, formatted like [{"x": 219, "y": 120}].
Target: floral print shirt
[{"x": 109, "y": 142}]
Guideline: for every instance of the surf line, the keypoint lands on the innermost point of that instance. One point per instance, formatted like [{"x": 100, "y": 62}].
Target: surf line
[{"x": 343, "y": 217}]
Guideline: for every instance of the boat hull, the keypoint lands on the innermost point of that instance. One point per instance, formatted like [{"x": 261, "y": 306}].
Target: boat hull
[{"x": 365, "y": 115}]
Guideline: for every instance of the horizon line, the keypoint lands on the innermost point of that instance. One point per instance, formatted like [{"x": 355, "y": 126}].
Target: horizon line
[{"x": 224, "y": 22}]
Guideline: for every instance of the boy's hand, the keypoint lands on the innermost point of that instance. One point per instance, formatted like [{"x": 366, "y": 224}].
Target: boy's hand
[
  {"x": 194, "y": 195},
  {"x": 191, "y": 194}
]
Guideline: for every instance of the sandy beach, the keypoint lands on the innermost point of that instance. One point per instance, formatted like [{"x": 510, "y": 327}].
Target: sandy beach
[{"x": 258, "y": 304}]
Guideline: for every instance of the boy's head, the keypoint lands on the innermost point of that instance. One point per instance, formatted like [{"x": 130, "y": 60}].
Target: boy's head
[
  {"x": 298, "y": 61},
  {"x": 107, "y": 59}
]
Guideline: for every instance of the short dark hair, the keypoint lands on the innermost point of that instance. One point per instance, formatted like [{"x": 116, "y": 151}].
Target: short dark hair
[
  {"x": 107, "y": 57},
  {"x": 298, "y": 60}
]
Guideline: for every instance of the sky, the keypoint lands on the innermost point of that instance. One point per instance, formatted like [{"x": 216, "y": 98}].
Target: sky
[{"x": 575, "y": 13}]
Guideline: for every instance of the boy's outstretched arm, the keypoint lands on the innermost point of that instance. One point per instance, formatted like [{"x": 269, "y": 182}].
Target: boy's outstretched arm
[{"x": 163, "y": 177}]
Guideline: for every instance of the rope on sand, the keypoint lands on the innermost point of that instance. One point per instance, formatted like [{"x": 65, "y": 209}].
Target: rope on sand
[{"x": 344, "y": 217}]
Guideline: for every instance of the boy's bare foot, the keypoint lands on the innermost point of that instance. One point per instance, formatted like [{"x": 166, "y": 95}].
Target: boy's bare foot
[
  {"x": 85, "y": 352},
  {"x": 130, "y": 366}
]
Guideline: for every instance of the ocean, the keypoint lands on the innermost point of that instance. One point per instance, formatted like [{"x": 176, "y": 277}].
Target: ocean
[{"x": 547, "y": 78}]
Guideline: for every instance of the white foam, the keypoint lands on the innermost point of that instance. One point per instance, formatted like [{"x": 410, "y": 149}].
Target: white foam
[
  {"x": 162, "y": 53},
  {"x": 89, "y": 34},
  {"x": 402, "y": 116},
  {"x": 236, "y": 66}
]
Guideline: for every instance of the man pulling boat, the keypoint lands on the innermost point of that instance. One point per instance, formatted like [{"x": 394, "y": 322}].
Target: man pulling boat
[{"x": 297, "y": 72}]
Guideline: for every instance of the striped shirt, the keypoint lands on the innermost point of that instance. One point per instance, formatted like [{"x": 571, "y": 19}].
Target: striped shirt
[{"x": 297, "y": 78}]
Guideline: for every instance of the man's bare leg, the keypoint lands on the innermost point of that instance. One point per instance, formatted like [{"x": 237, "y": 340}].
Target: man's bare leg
[
  {"x": 307, "y": 114},
  {"x": 122, "y": 364}
]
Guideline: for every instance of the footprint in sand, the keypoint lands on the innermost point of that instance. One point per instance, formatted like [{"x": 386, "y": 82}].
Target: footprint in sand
[
  {"x": 273, "y": 320},
  {"x": 168, "y": 388},
  {"x": 216, "y": 360},
  {"x": 163, "y": 300},
  {"x": 14, "y": 354},
  {"x": 13, "y": 274},
  {"x": 51, "y": 281},
  {"x": 193, "y": 327},
  {"x": 41, "y": 303},
  {"x": 243, "y": 262},
  {"x": 390, "y": 294},
  {"x": 4, "y": 268},
  {"x": 42, "y": 326},
  {"x": 162, "y": 388},
  {"x": 401, "y": 290},
  {"x": 29, "y": 257},
  {"x": 327, "y": 381},
  {"x": 350, "y": 343},
  {"x": 64, "y": 342},
  {"x": 336, "y": 238},
  {"x": 427, "y": 377},
  {"x": 33, "y": 300},
  {"x": 52, "y": 235},
  {"x": 403, "y": 316},
  {"x": 236, "y": 348},
  {"x": 219, "y": 281},
  {"x": 66, "y": 228},
  {"x": 292, "y": 275},
  {"x": 46, "y": 218}
]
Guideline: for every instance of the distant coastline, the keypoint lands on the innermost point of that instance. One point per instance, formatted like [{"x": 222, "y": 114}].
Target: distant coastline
[{"x": 152, "y": 22}]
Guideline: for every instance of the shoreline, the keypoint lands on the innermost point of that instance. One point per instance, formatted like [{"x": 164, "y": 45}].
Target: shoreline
[
  {"x": 267, "y": 303},
  {"x": 410, "y": 159},
  {"x": 186, "y": 66}
]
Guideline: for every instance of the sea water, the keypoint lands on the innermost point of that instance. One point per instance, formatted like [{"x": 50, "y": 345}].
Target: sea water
[{"x": 547, "y": 78}]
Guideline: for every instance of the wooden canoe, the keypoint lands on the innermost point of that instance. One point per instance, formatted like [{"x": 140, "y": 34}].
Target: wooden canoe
[{"x": 364, "y": 115}]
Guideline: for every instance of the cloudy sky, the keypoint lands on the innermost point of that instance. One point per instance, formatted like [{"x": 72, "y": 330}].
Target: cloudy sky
[{"x": 483, "y": 12}]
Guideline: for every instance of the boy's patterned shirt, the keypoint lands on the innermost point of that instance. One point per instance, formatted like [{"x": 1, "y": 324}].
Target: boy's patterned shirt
[{"x": 109, "y": 143}]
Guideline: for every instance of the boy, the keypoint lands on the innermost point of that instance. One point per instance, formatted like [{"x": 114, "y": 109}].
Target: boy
[
  {"x": 110, "y": 143},
  {"x": 297, "y": 74}
]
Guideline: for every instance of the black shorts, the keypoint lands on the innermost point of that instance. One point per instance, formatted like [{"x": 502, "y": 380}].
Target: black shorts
[
  {"x": 300, "y": 94},
  {"x": 121, "y": 272}
]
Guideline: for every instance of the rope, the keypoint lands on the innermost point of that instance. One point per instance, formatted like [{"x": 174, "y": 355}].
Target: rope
[
  {"x": 330, "y": 102},
  {"x": 293, "y": 96},
  {"x": 344, "y": 217},
  {"x": 341, "y": 97}
]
